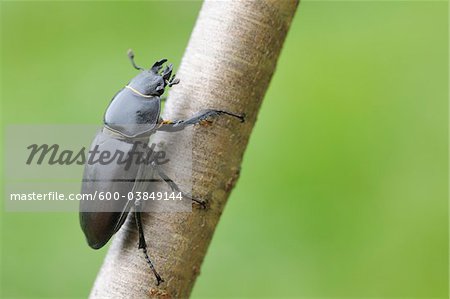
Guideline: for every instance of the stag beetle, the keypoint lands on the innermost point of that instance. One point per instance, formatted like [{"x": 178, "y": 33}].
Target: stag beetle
[{"x": 131, "y": 117}]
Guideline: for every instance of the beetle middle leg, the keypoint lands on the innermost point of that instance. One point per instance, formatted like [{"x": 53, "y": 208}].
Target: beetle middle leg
[
  {"x": 142, "y": 243},
  {"x": 174, "y": 186}
]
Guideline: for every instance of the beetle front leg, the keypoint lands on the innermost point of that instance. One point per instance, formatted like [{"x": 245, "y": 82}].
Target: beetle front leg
[
  {"x": 178, "y": 125},
  {"x": 142, "y": 242}
]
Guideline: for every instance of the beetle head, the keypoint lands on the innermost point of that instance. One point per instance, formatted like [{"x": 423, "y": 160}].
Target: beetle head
[{"x": 152, "y": 81}]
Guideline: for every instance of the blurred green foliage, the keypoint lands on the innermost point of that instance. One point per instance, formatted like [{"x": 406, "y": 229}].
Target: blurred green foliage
[{"x": 343, "y": 191}]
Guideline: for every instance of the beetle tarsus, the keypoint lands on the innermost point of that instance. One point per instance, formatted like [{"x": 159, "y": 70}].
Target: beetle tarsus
[
  {"x": 201, "y": 202},
  {"x": 175, "y": 187},
  {"x": 142, "y": 243},
  {"x": 149, "y": 262}
]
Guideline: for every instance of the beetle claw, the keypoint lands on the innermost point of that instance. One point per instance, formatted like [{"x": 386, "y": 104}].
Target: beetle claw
[
  {"x": 202, "y": 203},
  {"x": 158, "y": 279}
]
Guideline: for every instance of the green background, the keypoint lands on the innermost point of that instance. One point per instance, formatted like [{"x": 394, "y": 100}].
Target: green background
[{"x": 343, "y": 191}]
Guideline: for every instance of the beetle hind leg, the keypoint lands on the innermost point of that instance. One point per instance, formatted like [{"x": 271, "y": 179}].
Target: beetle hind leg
[
  {"x": 142, "y": 243},
  {"x": 175, "y": 187}
]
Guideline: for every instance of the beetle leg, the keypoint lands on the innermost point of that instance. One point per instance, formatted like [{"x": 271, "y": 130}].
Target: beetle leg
[
  {"x": 142, "y": 243},
  {"x": 179, "y": 125},
  {"x": 141, "y": 177},
  {"x": 175, "y": 187}
]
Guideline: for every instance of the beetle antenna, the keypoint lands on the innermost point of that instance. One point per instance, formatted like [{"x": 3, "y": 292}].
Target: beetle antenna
[{"x": 130, "y": 54}]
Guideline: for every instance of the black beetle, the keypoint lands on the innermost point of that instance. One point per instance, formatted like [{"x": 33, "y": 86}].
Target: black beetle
[{"x": 131, "y": 117}]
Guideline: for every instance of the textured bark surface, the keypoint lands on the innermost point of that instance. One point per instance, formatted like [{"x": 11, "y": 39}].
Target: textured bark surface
[{"x": 228, "y": 64}]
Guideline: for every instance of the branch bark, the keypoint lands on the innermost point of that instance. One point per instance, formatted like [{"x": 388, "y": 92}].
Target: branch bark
[{"x": 228, "y": 64}]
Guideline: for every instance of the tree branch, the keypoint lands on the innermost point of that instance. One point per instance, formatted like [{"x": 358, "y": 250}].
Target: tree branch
[{"x": 227, "y": 65}]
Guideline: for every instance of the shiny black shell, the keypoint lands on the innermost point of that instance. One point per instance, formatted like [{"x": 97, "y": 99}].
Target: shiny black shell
[
  {"x": 130, "y": 117},
  {"x": 131, "y": 114},
  {"x": 100, "y": 219}
]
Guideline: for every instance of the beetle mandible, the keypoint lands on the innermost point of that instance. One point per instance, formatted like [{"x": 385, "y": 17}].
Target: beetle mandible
[{"x": 131, "y": 117}]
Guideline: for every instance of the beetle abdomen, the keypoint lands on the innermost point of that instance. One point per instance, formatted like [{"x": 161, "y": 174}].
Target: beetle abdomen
[
  {"x": 108, "y": 183},
  {"x": 100, "y": 227}
]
